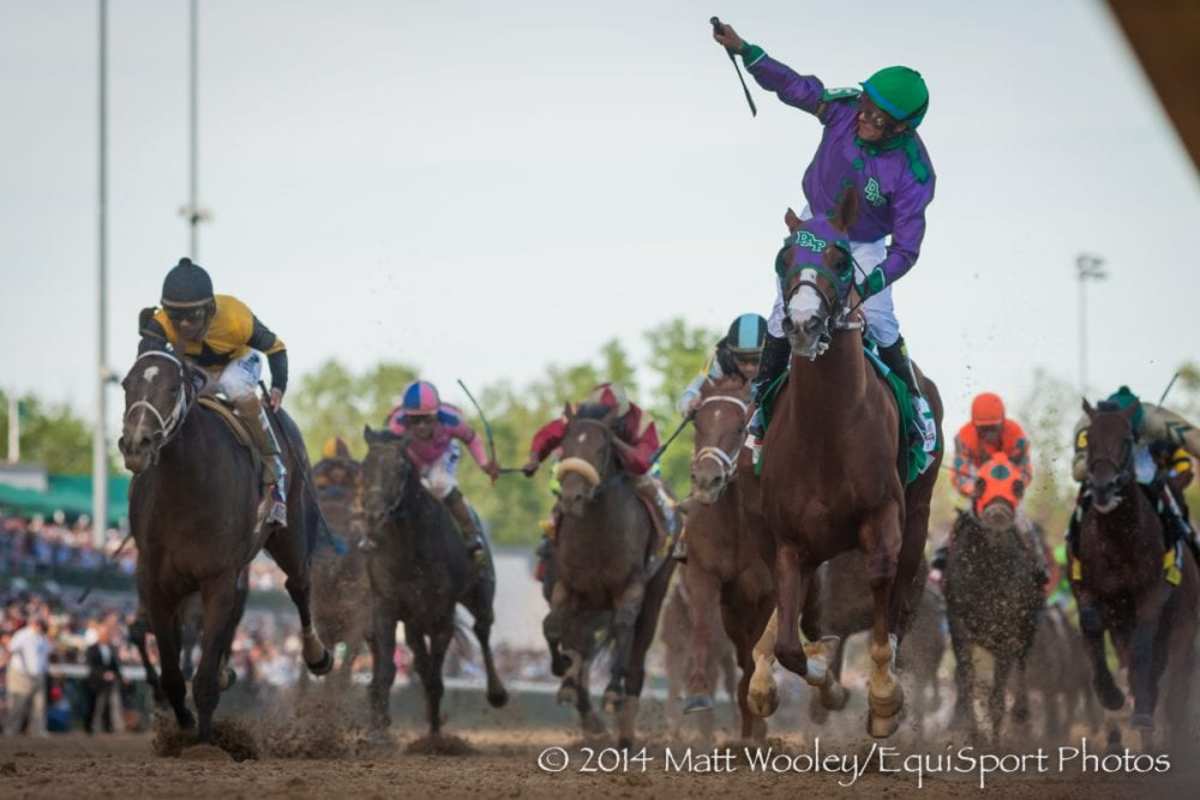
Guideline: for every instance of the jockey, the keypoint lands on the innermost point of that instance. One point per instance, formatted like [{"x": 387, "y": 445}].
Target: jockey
[
  {"x": 336, "y": 469},
  {"x": 1161, "y": 461},
  {"x": 636, "y": 442},
  {"x": 990, "y": 432},
  {"x": 870, "y": 143},
  {"x": 219, "y": 334},
  {"x": 738, "y": 353},
  {"x": 436, "y": 428}
]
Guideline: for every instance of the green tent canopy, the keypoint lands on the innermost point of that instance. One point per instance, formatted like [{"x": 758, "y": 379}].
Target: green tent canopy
[{"x": 71, "y": 494}]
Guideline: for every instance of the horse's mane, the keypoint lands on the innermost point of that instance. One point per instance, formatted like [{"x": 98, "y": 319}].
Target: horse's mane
[{"x": 723, "y": 385}]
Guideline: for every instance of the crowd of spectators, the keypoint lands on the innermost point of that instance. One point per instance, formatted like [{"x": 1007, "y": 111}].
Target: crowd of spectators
[{"x": 37, "y": 547}]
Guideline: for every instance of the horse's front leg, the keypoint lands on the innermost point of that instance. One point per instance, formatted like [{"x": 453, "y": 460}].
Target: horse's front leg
[
  {"x": 224, "y": 599},
  {"x": 880, "y": 538},
  {"x": 383, "y": 665},
  {"x": 792, "y": 575},
  {"x": 1143, "y": 677},
  {"x": 552, "y": 628},
  {"x": 762, "y": 695},
  {"x": 702, "y": 589},
  {"x": 1091, "y": 624},
  {"x": 627, "y": 606},
  {"x": 164, "y": 622}
]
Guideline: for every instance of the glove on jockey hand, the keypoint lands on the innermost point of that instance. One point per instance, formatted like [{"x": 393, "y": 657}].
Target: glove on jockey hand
[
  {"x": 530, "y": 467},
  {"x": 874, "y": 284},
  {"x": 728, "y": 38}
]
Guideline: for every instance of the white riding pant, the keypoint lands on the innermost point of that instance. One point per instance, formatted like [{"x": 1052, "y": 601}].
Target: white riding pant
[
  {"x": 441, "y": 477},
  {"x": 241, "y": 376},
  {"x": 882, "y": 324}
]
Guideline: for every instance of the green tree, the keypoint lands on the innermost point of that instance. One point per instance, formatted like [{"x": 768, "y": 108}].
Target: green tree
[
  {"x": 52, "y": 435},
  {"x": 1048, "y": 413}
]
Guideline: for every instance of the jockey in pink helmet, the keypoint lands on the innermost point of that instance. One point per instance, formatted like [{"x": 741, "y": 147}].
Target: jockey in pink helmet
[{"x": 436, "y": 432}]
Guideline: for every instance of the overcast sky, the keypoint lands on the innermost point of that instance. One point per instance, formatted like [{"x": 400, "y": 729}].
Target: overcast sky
[{"x": 483, "y": 188}]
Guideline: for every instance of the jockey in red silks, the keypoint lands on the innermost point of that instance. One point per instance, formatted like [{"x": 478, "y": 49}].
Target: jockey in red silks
[
  {"x": 435, "y": 430},
  {"x": 636, "y": 441}
]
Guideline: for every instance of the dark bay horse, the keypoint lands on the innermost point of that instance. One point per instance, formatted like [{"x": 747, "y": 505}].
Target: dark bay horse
[
  {"x": 1059, "y": 671},
  {"x": 419, "y": 574},
  {"x": 604, "y": 562},
  {"x": 1123, "y": 588},
  {"x": 194, "y": 513},
  {"x": 341, "y": 591},
  {"x": 993, "y": 600},
  {"x": 729, "y": 552},
  {"x": 830, "y": 481}
]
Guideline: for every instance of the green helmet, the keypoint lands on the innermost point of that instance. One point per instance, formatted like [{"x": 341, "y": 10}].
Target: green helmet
[{"x": 901, "y": 92}]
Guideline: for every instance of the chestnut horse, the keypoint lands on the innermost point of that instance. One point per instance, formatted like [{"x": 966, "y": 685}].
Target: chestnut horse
[
  {"x": 830, "y": 481},
  {"x": 729, "y": 552},
  {"x": 1122, "y": 586}
]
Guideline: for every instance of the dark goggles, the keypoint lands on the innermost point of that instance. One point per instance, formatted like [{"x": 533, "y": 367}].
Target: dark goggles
[{"x": 193, "y": 315}]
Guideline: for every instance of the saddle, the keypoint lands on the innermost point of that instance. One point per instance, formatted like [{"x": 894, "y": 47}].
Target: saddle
[{"x": 238, "y": 426}]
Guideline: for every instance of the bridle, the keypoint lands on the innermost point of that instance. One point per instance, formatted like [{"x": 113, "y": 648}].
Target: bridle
[
  {"x": 1123, "y": 467},
  {"x": 725, "y": 462},
  {"x": 586, "y": 469},
  {"x": 393, "y": 507},
  {"x": 834, "y": 316},
  {"x": 169, "y": 425}
]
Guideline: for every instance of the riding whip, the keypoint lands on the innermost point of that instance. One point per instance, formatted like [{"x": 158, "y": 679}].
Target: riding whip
[
  {"x": 1167, "y": 390},
  {"x": 658, "y": 453},
  {"x": 487, "y": 429},
  {"x": 718, "y": 27},
  {"x": 95, "y": 578}
]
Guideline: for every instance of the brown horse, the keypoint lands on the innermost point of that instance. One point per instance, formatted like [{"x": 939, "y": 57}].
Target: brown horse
[
  {"x": 1123, "y": 588},
  {"x": 1059, "y": 673},
  {"x": 604, "y": 561},
  {"x": 830, "y": 481},
  {"x": 729, "y": 553},
  {"x": 193, "y": 511},
  {"x": 341, "y": 591},
  {"x": 675, "y": 632},
  {"x": 993, "y": 600}
]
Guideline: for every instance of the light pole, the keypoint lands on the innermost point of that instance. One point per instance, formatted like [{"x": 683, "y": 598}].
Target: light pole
[
  {"x": 1087, "y": 268},
  {"x": 99, "y": 434},
  {"x": 192, "y": 211}
]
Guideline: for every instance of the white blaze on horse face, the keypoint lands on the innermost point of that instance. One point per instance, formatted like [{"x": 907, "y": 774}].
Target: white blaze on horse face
[
  {"x": 150, "y": 374},
  {"x": 806, "y": 302},
  {"x": 581, "y": 438}
]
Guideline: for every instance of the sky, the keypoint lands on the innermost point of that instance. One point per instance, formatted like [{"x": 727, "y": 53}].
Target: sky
[{"x": 481, "y": 189}]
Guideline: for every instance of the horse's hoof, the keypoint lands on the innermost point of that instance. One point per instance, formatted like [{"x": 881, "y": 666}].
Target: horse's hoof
[
  {"x": 887, "y": 705},
  {"x": 322, "y": 667},
  {"x": 834, "y": 696},
  {"x": 881, "y": 727},
  {"x": 612, "y": 701},
  {"x": 186, "y": 720},
  {"x": 497, "y": 698},
  {"x": 763, "y": 703},
  {"x": 1112, "y": 698},
  {"x": 697, "y": 702},
  {"x": 228, "y": 679},
  {"x": 593, "y": 725},
  {"x": 567, "y": 696}
]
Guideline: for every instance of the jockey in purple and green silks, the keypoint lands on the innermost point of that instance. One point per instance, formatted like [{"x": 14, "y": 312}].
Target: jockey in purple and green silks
[{"x": 870, "y": 143}]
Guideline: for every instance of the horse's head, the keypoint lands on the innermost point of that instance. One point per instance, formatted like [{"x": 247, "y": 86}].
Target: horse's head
[
  {"x": 1110, "y": 444},
  {"x": 720, "y": 420},
  {"x": 386, "y": 471},
  {"x": 999, "y": 490},
  {"x": 158, "y": 391},
  {"x": 816, "y": 274},
  {"x": 587, "y": 456}
]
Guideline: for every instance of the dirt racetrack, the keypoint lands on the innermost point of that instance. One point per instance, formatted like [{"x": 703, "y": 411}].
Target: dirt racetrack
[{"x": 503, "y": 765}]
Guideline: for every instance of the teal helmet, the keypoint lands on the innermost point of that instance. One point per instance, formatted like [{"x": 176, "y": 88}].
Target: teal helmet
[
  {"x": 747, "y": 334},
  {"x": 901, "y": 92}
]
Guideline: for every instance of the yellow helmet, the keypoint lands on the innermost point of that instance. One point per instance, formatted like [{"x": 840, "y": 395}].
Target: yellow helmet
[{"x": 335, "y": 447}]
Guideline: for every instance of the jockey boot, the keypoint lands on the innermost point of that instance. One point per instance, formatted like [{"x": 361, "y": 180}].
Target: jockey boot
[
  {"x": 651, "y": 489},
  {"x": 680, "y": 551},
  {"x": 472, "y": 536},
  {"x": 897, "y": 360},
  {"x": 250, "y": 409},
  {"x": 1082, "y": 501},
  {"x": 775, "y": 356}
]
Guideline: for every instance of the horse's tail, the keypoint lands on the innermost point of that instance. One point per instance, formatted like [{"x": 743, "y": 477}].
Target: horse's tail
[{"x": 317, "y": 531}]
